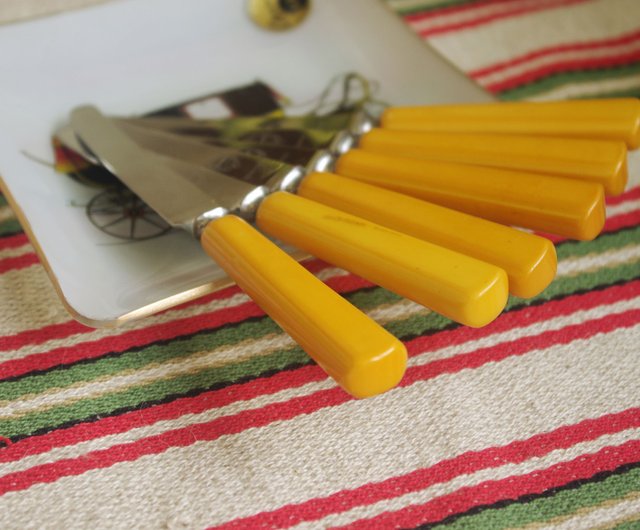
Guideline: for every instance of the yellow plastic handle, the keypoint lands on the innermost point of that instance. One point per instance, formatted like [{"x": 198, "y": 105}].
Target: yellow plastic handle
[
  {"x": 608, "y": 119},
  {"x": 529, "y": 260},
  {"x": 556, "y": 205},
  {"x": 359, "y": 354},
  {"x": 601, "y": 161},
  {"x": 460, "y": 287}
]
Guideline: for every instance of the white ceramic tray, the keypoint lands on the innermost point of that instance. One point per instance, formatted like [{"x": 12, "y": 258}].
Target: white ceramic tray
[{"x": 130, "y": 56}]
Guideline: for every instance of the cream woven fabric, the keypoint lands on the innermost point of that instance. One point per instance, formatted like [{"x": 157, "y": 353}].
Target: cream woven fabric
[{"x": 207, "y": 415}]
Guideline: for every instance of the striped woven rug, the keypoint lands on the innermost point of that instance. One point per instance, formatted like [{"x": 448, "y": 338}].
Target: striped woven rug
[{"x": 207, "y": 415}]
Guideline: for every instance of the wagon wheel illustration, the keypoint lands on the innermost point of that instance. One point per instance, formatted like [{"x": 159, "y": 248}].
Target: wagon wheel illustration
[{"x": 122, "y": 214}]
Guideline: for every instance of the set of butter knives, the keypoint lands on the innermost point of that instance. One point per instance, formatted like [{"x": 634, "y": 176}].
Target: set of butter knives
[{"x": 422, "y": 201}]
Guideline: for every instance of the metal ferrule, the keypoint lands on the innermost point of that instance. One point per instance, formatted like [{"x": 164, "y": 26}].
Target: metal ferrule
[
  {"x": 343, "y": 142},
  {"x": 322, "y": 161},
  {"x": 288, "y": 179},
  {"x": 204, "y": 219},
  {"x": 247, "y": 209},
  {"x": 249, "y": 205},
  {"x": 361, "y": 122}
]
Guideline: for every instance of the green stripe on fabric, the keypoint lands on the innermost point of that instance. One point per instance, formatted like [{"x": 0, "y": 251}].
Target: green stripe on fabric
[
  {"x": 416, "y": 325},
  {"x": 628, "y": 93},
  {"x": 428, "y": 7},
  {"x": 634, "y": 524},
  {"x": 560, "y": 287},
  {"x": 157, "y": 391},
  {"x": 555, "y": 80},
  {"x": 584, "y": 282},
  {"x": 210, "y": 340},
  {"x": 9, "y": 227},
  {"x": 10, "y": 224},
  {"x": 254, "y": 367},
  {"x": 180, "y": 348},
  {"x": 604, "y": 242},
  {"x": 138, "y": 358},
  {"x": 374, "y": 297},
  {"x": 156, "y": 354},
  {"x": 563, "y": 503}
]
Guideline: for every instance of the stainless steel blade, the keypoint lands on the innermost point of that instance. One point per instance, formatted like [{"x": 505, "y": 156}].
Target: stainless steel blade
[
  {"x": 278, "y": 152},
  {"x": 68, "y": 137},
  {"x": 250, "y": 168},
  {"x": 177, "y": 191},
  {"x": 274, "y": 175}
]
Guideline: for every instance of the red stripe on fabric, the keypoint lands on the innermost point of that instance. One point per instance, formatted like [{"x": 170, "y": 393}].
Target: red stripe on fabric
[
  {"x": 492, "y": 491},
  {"x": 38, "y": 336},
  {"x": 66, "y": 329},
  {"x": 623, "y": 220},
  {"x": 130, "y": 339},
  {"x": 315, "y": 265},
  {"x": 499, "y": 352},
  {"x": 71, "y": 327},
  {"x": 18, "y": 262},
  {"x": 341, "y": 284},
  {"x": 294, "y": 407},
  {"x": 455, "y": 26},
  {"x": 444, "y": 471},
  {"x": 301, "y": 376},
  {"x": 176, "y": 438},
  {"x": 552, "y": 237},
  {"x": 630, "y": 195},
  {"x": 525, "y": 317},
  {"x": 134, "y": 338},
  {"x": 538, "y": 73},
  {"x": 14, "y": 241},
  {"x": 551, "y": 50},
  {"x": 211, "y": 400},
  {"x": 348, "y": 283}
]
